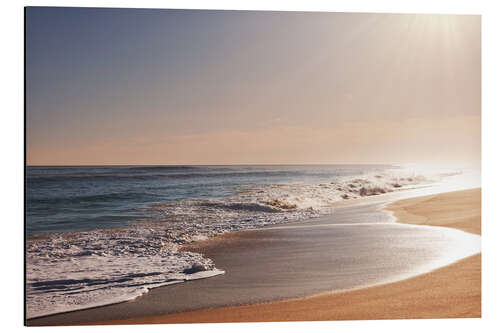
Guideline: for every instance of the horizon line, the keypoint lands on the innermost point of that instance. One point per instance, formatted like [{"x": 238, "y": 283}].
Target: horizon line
[{"x": 230, "y": 164}]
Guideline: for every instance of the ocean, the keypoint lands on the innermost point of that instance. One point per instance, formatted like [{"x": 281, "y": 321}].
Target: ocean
[
  {"x": 68, "y": 199},
  {"x": 104, "y": 234}
]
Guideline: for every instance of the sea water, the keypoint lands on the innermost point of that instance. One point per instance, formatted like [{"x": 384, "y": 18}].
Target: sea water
[{"x": 105, "y": 234}]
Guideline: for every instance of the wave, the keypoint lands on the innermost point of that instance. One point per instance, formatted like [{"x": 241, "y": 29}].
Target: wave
[
  {"x": 240, "y": 206},
  {"x": 106, "y": 265}
]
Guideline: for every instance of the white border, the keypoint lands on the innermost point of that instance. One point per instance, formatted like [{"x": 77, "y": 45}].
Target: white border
[{"x": 12, "y": 162}]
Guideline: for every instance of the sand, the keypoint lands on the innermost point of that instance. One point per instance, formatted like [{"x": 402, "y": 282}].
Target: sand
[
  {"x": 453, "y": 291},
  {"x": 460, "y": 210}
]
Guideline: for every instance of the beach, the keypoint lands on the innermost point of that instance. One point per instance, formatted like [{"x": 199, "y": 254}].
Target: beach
[
  {"x": 451, "y": 291},
  {"x": 198, "y": 166}
]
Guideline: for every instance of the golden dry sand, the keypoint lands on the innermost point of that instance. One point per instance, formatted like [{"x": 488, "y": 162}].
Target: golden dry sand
[
  {"x": 459, "y": 210},
  {"x": 453, "y": 291}
]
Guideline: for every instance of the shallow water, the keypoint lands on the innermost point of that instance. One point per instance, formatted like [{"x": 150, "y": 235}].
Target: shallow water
[{"x": 354, "y": 247}]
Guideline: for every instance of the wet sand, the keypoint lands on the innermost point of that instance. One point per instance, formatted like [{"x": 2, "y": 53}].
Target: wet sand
[{"x": 452, "y": 291}]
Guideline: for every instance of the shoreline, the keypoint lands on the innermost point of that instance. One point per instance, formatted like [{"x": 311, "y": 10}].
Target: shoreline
[
  {"x": 273, "y": 309},
  {"x": 425, "y": 296}
]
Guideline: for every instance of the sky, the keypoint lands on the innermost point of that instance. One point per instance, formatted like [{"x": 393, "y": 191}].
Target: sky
[{"x": 147, "y": 87}]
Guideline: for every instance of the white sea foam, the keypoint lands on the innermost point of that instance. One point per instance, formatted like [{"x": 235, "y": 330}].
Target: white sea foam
[
  {"x": 73, "y": 271},
  {"x": 88, "y": 269}
]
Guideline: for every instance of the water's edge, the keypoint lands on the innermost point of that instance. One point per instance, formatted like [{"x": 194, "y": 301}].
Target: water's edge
[{"x": 381, "y": 206}]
